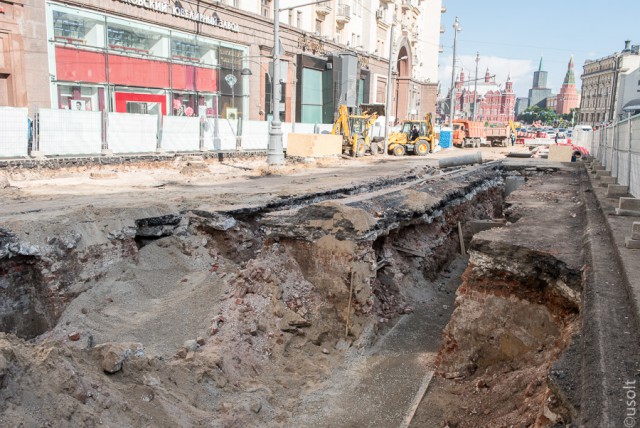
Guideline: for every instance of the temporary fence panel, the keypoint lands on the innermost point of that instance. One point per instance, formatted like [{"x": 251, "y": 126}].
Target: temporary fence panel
[
  {"x": 208, "y": 128},
  {"x": 633, "y": 159},
  {"x": 584, "y": 139},
  {"x": 69, "y": 132},
  {"x": 255, "y": 135},
  {"x": 227, "y": 134},
  {"x": 14, "y": 132},
  {"x": 323, "y": 128},
  {"x": 132, "y": 133},
  {"x": 180, "y": 134}
]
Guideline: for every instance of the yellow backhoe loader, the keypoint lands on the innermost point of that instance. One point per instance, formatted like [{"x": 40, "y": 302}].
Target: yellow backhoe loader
[
  {"x": 354, "y": 129},
  {"x": 419, "y": 142}
]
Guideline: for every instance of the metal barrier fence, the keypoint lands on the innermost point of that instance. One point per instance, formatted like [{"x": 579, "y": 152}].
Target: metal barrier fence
[
  {"x": 56, "y": 132},
  {"x": 14, "y": 132},
  {"x": 617, "y": 147}
]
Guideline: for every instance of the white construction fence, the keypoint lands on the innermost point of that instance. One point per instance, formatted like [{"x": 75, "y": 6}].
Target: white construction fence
[
  {"x": 617, "y": 147},
  {"x": 54, "y": 132}
]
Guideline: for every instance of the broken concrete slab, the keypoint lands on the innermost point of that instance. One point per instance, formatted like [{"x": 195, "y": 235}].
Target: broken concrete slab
[
  {"x": 603, "y": 173},
  {"x": 635, "y": 230},
  {"x": 616, "y": 190},
  {"x": 632, "y": 244}
]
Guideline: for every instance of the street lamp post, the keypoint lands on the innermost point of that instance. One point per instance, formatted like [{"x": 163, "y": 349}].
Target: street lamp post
[
  {"x": 275, "y": 154},
  {"x": 475, "y": 89},
  {"x": 387, "y": 108},
  {"x": 456, "y": 28}
]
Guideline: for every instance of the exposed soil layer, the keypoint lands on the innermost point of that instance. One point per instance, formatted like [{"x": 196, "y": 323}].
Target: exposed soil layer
[
  {"x": 323, "y": 307},
  {"x": 516, "y": 311},
  {"x": 217, "y": 317}
]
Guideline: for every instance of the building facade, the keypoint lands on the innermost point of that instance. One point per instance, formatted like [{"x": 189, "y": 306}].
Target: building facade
[
  {"x": 187, "y": 57},
  {"x": 539, "y": 92},
  {"x": 601, "y": 83},
  {"x": 521, "y": 105},
  {"x": 493, "y": 104}
]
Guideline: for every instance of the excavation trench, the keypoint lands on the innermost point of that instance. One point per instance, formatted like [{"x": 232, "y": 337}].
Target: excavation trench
[{"x": 245, "y": 316}]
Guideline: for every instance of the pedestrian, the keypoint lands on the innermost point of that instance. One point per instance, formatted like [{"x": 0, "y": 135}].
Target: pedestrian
[
  {"x": 513, "y": 138},
  {"x": 556, "y": 138}
]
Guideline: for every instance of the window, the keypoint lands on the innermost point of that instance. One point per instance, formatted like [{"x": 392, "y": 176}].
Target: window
[
  {"x": 318, "y": 27},
  {"x": 135, "y": 38},
  {"x": 78, "y": 29},
  {"x": 299, "y": 24},
  {"x": 86, "y": 98},
  {"x": 311, "y": 96},
  {"x": 266, "y": 8},
  {"x": 381, "y": 89}
]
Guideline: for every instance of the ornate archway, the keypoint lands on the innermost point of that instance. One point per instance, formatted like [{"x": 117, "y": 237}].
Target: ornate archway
[{"x": 403, "y": 66}]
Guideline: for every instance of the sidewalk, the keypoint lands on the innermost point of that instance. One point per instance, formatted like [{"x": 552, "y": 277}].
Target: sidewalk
[{"x": 619, "y": 227}]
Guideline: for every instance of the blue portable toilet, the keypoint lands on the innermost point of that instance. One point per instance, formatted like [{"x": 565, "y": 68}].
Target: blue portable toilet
[{"x": 445, "y": 138}]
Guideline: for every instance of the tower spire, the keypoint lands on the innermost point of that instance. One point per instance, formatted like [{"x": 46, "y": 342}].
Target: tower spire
[
  {"x": 540, "y": 66},
  {"x": 570, "y": 78}
]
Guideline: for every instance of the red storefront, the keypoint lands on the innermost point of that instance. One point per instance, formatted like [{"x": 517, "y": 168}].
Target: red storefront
[{"x": 101, "y": 62}]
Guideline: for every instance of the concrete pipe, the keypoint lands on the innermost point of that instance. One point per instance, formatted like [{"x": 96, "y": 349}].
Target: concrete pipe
[{"x": 469, "y": 159}]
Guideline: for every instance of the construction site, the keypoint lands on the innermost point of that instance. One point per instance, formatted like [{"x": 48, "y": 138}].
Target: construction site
[{"x": 200, "y": 290}]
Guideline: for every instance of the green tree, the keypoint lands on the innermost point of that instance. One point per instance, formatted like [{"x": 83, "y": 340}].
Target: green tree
[{"x": 536, "y": 113}]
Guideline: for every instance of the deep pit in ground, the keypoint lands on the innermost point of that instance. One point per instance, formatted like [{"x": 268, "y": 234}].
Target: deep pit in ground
[{"x": 241, "y": 317}]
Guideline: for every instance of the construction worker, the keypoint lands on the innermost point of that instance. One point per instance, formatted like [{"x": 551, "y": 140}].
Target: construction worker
[
  {"x": 513, "y": 138},
  {"x": 414, "y": 133}
]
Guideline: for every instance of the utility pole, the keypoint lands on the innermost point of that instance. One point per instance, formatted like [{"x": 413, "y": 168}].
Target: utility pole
[
  {"x": 475, "y": 89},
  {"x": 456, "y": 28},
  {"x": 387, "y": 107}
]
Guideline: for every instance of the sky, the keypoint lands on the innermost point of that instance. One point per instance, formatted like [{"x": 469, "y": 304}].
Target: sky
[{"x": 511, "y": 36}]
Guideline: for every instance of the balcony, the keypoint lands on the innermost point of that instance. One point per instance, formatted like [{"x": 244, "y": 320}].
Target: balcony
[
  {"x": 323, "y": 10},
  {"x": 406, "y": 4},
  {"x": 343, "y": 14},
  {"x": 441, "y": 29},
  {"x": 385, "y": 1},
  {"x": 443, "y": 9}
]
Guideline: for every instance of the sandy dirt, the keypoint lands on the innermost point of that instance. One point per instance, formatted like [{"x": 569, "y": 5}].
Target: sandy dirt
[{"x": 221, "y": 325}]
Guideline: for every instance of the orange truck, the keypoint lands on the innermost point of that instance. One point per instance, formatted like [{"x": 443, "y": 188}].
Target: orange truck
[{"x": 467, "y": 133}]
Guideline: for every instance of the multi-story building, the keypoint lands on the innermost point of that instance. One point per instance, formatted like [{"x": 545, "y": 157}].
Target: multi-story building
[
  {"x": 521, "y": 105},
  {"x": 568, "y": 98},
  {"x": 213, "y": 57},
  {"x": 494, "y": 105},
  {"x": 601, "y": 84},
  {"x": 539, "y": 92}
]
